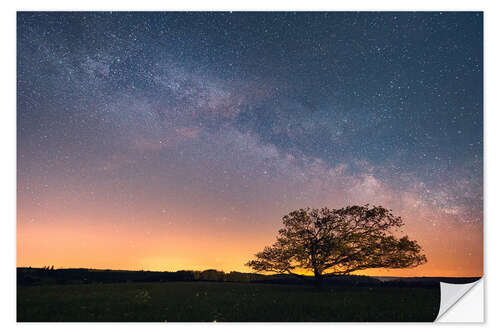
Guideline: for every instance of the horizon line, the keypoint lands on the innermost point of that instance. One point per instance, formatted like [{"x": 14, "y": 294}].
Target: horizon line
[{"x": 262, "y": 273}]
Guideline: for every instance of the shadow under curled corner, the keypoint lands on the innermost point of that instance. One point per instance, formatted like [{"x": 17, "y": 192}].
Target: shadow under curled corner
[{"x": 461, "y": 303}]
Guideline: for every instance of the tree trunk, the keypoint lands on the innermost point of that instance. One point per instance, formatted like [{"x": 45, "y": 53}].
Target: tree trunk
[{"x": 318, "y": 278}]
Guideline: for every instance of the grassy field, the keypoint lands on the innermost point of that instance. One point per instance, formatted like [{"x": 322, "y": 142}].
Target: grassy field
[{"x": 233, "y": 302}]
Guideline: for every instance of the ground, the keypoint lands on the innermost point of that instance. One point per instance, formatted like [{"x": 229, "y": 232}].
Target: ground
[{"x": 223, "y": 301}]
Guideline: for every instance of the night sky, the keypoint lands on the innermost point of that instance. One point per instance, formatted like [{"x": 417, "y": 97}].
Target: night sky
[{"x": 170, "y": 141}]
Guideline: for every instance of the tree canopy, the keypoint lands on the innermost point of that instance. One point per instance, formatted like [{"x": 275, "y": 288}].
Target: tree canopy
[{"x": 339, "y": 241}]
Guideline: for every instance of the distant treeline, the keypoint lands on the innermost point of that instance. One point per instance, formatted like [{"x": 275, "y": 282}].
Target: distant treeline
[{"x": 49, "y": 275}]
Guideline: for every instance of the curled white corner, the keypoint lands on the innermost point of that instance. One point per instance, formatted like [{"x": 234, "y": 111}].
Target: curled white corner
[{"x": 459, "y": 304}]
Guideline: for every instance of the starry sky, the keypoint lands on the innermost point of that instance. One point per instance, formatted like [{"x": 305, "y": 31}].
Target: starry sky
[{"x": 178, "y": 140}]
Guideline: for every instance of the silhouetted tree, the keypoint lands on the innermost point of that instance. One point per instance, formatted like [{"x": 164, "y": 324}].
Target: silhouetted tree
[
  {"x": 212, "y": 275},
  {"x": 234, "y": 276},
  {"x": 338, "y": 241}
]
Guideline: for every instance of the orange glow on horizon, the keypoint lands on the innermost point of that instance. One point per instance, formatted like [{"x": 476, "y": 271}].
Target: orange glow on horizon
[{"x": 172, "y": 248}]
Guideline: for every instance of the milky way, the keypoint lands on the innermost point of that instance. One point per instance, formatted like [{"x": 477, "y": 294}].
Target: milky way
[{"x": 195, "y": 131}]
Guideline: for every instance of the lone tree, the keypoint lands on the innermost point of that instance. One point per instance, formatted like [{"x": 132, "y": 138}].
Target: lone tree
[{"x": 338, "y": 242}]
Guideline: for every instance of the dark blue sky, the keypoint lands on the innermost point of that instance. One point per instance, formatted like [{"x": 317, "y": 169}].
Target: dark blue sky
[{"x": 372, "y": 85}]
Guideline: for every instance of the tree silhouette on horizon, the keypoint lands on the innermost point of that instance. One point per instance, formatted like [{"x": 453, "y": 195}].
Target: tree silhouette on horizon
[{"x": 338, "y": 242}]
